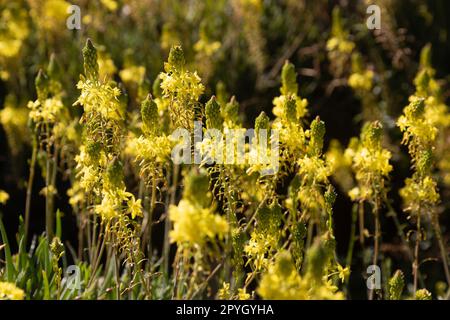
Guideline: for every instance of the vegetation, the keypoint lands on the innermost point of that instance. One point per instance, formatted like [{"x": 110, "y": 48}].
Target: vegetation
[{"x": 106, "y": 210}]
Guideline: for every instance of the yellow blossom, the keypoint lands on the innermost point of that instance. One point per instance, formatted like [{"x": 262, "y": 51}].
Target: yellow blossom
[{"x": 8, "y": 291}]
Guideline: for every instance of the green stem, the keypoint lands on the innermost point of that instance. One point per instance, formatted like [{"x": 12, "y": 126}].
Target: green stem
[{"x": 30, "y": 187}]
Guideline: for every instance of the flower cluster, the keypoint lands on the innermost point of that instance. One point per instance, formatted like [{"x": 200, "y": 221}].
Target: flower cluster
[
  {"x": 182, "y": 88},
  {"x": 8, "y": 291},
  {"x": 370, "y": 164}
]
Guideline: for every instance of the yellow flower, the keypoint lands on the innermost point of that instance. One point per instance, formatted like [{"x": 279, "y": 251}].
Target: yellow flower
[
  {"x": 194, "y": 225},
  {"x": 107, "y": 209},
  {"x": 344, "y": 273},
  {"x": 49, "y": 111},
  {"x": 111, "y": 5},
  {"x": 4, "y": 196},
  {"x": 224, "y": 292},
  {"x": 134, "y": 74},
  {"x": 242, "y": 294},
  {"x": 8, "y": 291},
  {"x": 207, "y": 47},
  {"x": 361, "y": 80},
  {"x": 135, "y": 207}
]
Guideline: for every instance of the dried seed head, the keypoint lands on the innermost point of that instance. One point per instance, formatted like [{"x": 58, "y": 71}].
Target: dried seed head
[{"x": 90, "y": 61}]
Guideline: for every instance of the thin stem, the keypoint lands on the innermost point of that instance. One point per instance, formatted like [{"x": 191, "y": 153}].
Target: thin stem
[
  {"x": 403, "y": 239},
  {"x": 415, "y": 265},
  {"x": 167, "y": 226},
  {"x": 361, "y": 223},
  {"x": 30, "y": 187},
  {"x": 150, "y": 215},
  {"x": 48, "y": 209},
  {"x": 351, "y": 243},
  {"x": 376, "y": 241},
  {"x": 437, "y": 230}
]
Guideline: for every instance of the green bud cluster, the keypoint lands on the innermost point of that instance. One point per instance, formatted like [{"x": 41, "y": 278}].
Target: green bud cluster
[
  {"x": 317, "y": 133},
  {"x": 415, "y": 109},
  {"x": 290, "y": 109},
  {"x": 396, "y": 285},
  {"x": 371, "y": 134},
  {"x": 90, "y": 61},
  {"x": 288, "y": 79},
  {"x": 231, "y": 111},
  {"x": 261, "y": 122},
  {"x": 176, "y": 60},
  {"x": 214, "y": 118},
  {"x": 150, "y": 116}
]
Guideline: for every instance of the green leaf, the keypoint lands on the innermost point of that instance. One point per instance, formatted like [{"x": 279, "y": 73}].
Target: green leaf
[{"x": 10, "y": 271}]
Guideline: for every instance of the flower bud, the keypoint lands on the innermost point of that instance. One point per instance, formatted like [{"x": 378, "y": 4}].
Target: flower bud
[
  {"x": 90, "y": 61},
  {"x": 150, "y": 116},
  {"x": 288, "y": 79},
  {"x": 396, "y": 284},
  {"x": 176, "y": 59},
  {"x": 290, "y": 109},
  {"x": 231, "y": 111},
  {"x": 416, "y": 108},
  {"x": 261, "y": 122},
  {"x": 317, "y": 134},
  {"x": 213, "y": 116},
  {"x": 371, "y": 134}
]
